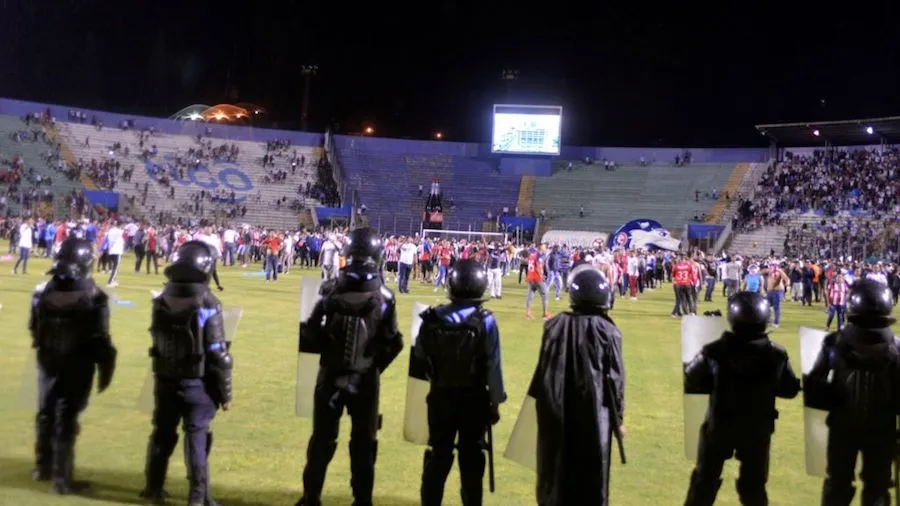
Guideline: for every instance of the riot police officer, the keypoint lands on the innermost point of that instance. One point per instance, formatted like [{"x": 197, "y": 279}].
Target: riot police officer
[
  {"x": 742, "y": 372},
  {"x": 192, "y": 368},
  {"x": 459, "y": 345},
  {"x": 354, "y": 329},
  {"x": 855, "y": 378},
  {"x": 69, "y": 327},
  {"x": 579, "y": 392}
]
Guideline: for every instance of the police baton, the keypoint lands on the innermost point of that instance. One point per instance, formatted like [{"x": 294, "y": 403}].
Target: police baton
[
  {"x": 897, "y": 472},
  {"x": 614, "y": 418},
  {"x": 490, "y": 455}
]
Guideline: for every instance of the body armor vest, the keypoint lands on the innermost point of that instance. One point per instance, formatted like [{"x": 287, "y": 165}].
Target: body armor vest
[
  {"x": 866, "y": 394},
  {"x": 455, "y": 352},
  {"x": 745, "y": 387},
  {"x": 352, "y": 321},
  {"x": 178, "y": 347},
  {"x": 63, "y": 334}
]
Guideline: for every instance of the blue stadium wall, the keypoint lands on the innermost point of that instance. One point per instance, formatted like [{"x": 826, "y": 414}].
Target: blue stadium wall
[{"x": 524, "y": 166}]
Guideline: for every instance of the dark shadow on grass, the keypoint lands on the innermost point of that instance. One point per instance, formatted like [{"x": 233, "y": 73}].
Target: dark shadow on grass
[{"x": 107, "y": 486}]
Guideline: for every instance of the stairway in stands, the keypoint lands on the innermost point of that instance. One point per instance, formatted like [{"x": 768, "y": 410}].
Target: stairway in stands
[
  {"x": 525, "y": 202},
  {"x": 715, "y": 213}
]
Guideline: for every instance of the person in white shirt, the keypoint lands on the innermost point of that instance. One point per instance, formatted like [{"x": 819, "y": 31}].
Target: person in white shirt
[
  {"x": 328, "y": 259},
  {"x": 877, "y": 275},
  {"x": 26, "y": 242},
  {"x": 209, "y": 237},
  {"x": 405, "y": 266},
  {"x": 229, "y": 238},
  {"x": 287, "y": 253},
  {"x": 115, "y": 239}
]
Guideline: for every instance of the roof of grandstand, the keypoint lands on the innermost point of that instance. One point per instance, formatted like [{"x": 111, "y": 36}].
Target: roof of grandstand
[{"x": 841, "y": 133}]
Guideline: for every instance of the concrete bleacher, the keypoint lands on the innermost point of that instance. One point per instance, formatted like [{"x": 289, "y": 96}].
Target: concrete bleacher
[
  {"x": 759, "y": 242},
  {"x": 388, "y": 185},
  {"x": 260, "y": 200},
  {"x": 611, "y": 198},
  {"x": 34, "y": 154}
]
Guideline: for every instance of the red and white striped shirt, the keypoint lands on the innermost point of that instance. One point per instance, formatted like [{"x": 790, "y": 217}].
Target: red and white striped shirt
[{"x": 837, "y": 293}]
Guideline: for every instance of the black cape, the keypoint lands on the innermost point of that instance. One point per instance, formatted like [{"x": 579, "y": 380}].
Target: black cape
[{"x": 578, "y": 353}]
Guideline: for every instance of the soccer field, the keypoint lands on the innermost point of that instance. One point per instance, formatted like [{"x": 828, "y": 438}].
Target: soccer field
[{"x": 260, "y": 446}]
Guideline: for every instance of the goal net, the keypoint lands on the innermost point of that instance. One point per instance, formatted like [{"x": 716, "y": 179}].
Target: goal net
[{"x": 468, "y": 235}]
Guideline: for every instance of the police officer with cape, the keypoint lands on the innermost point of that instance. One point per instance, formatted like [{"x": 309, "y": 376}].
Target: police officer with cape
[
  {"x": 579, "y": 389},
  {"x": 353, "y": 328},
  {"x": 192, "y": 368},
  {"x": 69, "y": 327},
  {"x": 458, "y": 347},
  {"x": 742, "y": 372},
  {"x": 856, "y": 378}
]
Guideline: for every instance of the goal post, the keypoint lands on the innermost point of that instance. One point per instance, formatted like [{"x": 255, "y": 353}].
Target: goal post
[{"x": 465, "y": 234}]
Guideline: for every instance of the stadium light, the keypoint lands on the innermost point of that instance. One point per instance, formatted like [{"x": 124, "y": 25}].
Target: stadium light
[
  {"x": 816, "y": 133},
  {"x": 438, "y": 135},
  {"x": 870, "y": 130},
  {"x": 194, "y": 116},
  {"x": 369, "y": 130}
]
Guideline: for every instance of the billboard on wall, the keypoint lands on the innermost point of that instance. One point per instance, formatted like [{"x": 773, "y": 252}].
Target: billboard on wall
[{"x": 643, "y": 234}]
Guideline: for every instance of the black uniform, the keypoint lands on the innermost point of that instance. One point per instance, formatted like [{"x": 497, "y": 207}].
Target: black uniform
[
  {"x": 856, "y": 379},
  {"x": 743, "y": 372},
  {"x": 192, "y": 367},
  {"x": 69, "y": 327},
  {"x": 354, "y": 329},
  {"x": 458, "y": 349},
  {"x": 579, "y": 389}
]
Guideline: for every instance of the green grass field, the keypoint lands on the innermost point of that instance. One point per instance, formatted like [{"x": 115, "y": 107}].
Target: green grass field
[{"x": 260, "y": 445}]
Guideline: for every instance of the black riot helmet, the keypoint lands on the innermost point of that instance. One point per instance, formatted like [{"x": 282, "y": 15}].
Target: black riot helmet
[
  {"x": 74, "y": 259},
  {"x": 192, "y": 263},
  {"x": 467, "y": 281},
  {"x": 869, "y": 304},
  {"x": 363, "y": 251},
  {"x": 748, "y": 312},
  {"x": 588, "y": 288}
]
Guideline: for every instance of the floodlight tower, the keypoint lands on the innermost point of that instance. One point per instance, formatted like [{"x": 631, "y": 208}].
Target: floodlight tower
[
  {"x": 509, "y": 76},
  {"x": 308, "y": 71}
]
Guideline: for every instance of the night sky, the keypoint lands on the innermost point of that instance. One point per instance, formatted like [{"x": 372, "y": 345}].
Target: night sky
[{"x": 626, "y": 73}]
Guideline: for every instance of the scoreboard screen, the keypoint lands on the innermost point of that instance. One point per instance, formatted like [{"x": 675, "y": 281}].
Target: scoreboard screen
[{"x": 526, "y": 129}]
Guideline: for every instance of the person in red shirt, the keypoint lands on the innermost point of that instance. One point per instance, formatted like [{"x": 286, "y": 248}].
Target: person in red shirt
[
  {"x": 272, "y": 246},
  {"x": 684, "y": 277},
  {"x": 152, "y": 250},
  {"x": 535, "y": 278}
]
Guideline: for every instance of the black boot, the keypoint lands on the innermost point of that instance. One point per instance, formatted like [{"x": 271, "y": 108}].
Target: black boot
[
  {"x": 155, "y": 469},
  {"x": 43, "y": 450},
  {"x": 471, "y": 476},
  {"x": 158, "y": 496},
  {"x": 362, "y": 471},
  {"x": 198, "y": 479},
  {"x": 318, "y": 456},
  {"x": 837, "y": 495},
  {"x": 702, "y": 492},
  {"x": 435, "y": 468},
  {"x": 209, "y": 500},
  {"x": 63, "y": 468}
]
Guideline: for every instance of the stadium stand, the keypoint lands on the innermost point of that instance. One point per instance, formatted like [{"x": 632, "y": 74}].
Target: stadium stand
[
  {"x": 30, "y": 171},
  {"x": 610, "y": 198},
  {"x": 812, "y": 204},
  {"x": 158, "y": 153},
  {"x": 388, "y": 185}
]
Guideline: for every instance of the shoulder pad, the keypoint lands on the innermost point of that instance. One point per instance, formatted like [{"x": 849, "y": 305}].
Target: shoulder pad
[
  {"x": 99, "y": 296},
  {"x": 778, "y": 348},
  {"x": 39, "y": 289},
  {"x": 386, "y": 292},
  {"x": 327, "y": 287}
]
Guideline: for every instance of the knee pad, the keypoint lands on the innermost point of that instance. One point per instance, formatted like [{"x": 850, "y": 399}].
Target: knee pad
[{"x": 440, "y": 460}]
